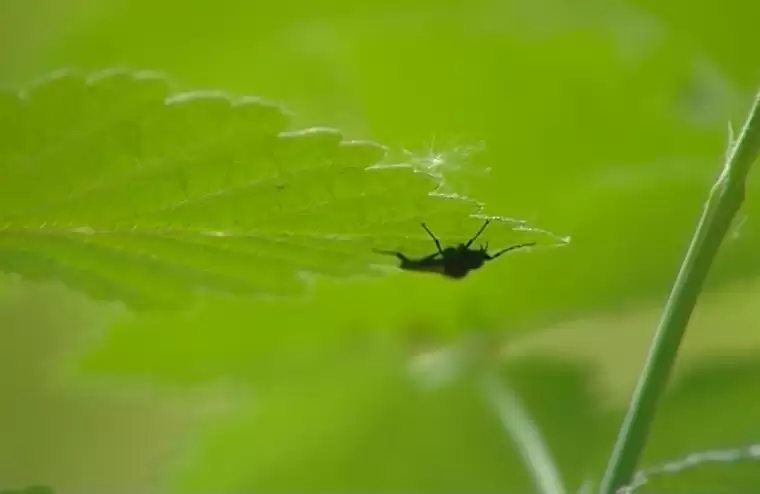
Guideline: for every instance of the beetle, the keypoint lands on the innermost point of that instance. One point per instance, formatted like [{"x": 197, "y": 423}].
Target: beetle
[{"x": 453, "y": 261}]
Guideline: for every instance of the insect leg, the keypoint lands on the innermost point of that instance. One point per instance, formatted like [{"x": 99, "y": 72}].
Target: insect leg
[
  {"x": 469, "y": 242},
  {"x": 401, "y": 257},
  {"x": 437, "y": 243},
  {"x": 429, "y": 258},
  {"x": 511, "y": 247}
]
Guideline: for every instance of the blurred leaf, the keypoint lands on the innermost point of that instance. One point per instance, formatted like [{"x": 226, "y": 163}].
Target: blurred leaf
[
  {"x": 34, "y": 489},
  {"x": 360, "y": 423},
  {"x": 74, "y": 435},
  {"x": 720, "y": 31},
  {"x": 713, "y": 407},
  {"x": 563, "y": 403}
]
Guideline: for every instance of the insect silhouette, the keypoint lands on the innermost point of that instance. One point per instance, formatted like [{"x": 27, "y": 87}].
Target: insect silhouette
[{"x": 454, "y": 261}]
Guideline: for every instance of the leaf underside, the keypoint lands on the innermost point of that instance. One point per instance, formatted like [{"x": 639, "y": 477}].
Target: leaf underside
[{"x": 126, "y": 192}]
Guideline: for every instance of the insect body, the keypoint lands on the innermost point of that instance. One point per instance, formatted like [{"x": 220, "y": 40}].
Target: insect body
[{"x": 453, "y": 262}]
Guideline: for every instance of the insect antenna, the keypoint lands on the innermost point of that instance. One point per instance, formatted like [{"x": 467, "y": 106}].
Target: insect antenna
[{"x": 511, "y": 247}]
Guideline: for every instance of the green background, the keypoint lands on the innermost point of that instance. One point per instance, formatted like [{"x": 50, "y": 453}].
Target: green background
[{"x": 599, "y": 120}]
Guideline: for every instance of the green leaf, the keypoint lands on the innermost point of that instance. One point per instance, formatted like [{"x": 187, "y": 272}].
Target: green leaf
[{"x": 125, "y": 191}]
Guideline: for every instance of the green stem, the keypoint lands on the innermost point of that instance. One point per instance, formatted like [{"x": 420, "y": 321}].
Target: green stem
[
  {"x": 516, "y": 420},
  {"x": 723, "y": 203}
]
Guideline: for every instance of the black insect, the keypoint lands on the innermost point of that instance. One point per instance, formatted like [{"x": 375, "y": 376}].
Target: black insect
[{"x": 453, "y": 262}]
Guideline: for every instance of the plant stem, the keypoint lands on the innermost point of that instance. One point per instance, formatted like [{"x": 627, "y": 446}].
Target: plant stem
[
  {"x": 724, "y": 201},
  {"x": 516, "y": 420}
]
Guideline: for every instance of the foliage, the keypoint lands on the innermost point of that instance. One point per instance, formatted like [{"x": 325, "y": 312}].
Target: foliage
[{"x": 603, "y": 121}]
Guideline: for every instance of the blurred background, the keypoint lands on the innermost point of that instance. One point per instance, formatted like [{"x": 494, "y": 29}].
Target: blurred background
[{"x": 601, "y": 120}]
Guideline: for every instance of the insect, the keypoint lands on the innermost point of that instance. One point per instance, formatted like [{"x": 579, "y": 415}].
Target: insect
[{"x": 455, "y": 261}]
